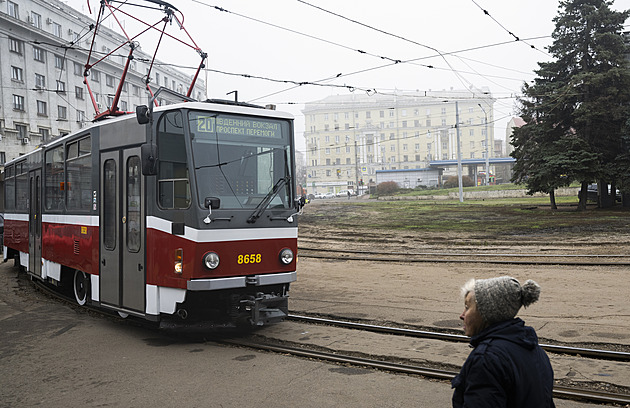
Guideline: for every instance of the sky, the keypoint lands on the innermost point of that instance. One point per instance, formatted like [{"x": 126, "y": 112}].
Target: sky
[{"x": 335, "y": 47}]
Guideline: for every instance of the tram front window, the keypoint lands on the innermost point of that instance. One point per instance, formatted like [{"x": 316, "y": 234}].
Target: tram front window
[{"x": 239, "y": 159}]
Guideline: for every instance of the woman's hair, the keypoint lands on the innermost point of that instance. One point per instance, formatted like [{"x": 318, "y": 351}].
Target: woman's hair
[{"x": 469, "y": 287}]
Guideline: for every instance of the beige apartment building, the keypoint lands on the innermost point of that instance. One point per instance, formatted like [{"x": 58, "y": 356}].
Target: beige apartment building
[{"x": 350, "y": 137}]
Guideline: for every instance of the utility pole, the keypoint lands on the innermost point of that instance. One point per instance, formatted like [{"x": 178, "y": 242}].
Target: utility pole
[
  {"x": 487, "y": 148},
  {"x": 459, "y": 155},
  {"x": 356, "y": 168}
]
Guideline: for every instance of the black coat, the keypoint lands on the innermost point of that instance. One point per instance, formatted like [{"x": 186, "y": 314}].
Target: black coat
[{"x": 507, "y": 368}]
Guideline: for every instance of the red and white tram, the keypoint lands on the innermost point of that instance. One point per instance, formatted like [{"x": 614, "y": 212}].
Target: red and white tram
[{"x": 186, "y": 211}]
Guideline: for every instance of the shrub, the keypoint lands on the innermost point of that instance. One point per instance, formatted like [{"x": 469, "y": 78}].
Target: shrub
[
  {"x": 387, "y": 188},
  {"x": 452, "y": 182}
]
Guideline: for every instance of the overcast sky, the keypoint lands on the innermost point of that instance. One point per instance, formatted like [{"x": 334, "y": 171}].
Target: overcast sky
[{"x": 441, "y": 44}]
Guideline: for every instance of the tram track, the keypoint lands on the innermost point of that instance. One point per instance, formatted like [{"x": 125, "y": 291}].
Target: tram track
[
  {"x": 565, "y": 392},
  {"x": 567, "y": 350},
  {"x": 478, "y": 258}
]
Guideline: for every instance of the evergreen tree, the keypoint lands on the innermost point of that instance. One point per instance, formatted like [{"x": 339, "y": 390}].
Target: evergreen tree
[{"x": 577, "y": 107}]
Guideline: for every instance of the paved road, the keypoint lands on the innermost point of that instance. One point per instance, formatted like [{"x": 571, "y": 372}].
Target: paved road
[{"x": 55, "y": 355}]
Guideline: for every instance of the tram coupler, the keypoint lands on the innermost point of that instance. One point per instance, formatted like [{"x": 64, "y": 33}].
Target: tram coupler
[{"x": 266, "y": 308}]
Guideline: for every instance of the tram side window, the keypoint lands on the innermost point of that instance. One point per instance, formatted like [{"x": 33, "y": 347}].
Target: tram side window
[
  {"x": 21, "y": 186},
  {"x": 9, "y": 197},
  {"x": 173, "y": 184},
  {"x": 79, "y": 169},
  {"x": 54, "y": 182}
]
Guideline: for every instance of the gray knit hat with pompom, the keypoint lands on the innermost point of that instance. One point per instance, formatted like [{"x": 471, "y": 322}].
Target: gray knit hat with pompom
[{"x": 499, "y": 299}]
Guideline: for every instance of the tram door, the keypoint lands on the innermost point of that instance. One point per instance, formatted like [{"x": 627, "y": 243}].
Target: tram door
[
  {"x": 122, "y": 225},
  {"x": 35, "y": 223}
]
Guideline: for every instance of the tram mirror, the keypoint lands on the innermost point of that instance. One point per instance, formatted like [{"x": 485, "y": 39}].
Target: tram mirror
[
  {"x": 212, "y": 202},
  {"x": 149, "y": 159},
  {"x": 142, "y": 114}
]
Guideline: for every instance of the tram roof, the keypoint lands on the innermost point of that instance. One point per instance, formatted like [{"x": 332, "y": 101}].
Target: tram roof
[{"x": 243, "y": 109}]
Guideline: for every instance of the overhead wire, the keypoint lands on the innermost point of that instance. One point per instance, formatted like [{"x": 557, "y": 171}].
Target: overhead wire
[{"x": 517, "y": 38}]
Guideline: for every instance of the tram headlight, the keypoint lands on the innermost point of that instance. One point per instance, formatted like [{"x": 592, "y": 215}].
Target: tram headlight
[
  {"x": 211, "y": 260},
  {"x": 286, "y": 256},
  {"x": 179, "y": 261}
]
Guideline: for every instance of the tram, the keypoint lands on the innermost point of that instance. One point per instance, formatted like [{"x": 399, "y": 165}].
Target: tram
[{"x": 180, "y": 212}]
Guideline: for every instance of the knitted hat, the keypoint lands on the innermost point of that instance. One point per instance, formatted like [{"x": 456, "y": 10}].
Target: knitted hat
[{"x": 499, "y": 299}]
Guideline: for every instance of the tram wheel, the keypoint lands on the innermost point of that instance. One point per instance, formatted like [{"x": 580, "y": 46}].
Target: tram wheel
[{"x": 81, "y": 287}]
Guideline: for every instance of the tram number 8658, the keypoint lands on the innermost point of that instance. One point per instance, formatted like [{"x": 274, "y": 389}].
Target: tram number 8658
[{"x": 249, "y": 258}]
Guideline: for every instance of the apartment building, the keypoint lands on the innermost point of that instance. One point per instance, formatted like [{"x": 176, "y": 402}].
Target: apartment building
[
  {"x": 349, "y": 138},
  {"x": 44, "y": 47}
]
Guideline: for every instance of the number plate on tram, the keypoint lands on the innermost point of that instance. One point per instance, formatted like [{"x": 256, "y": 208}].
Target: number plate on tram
[{"x": 249, "y": 258}]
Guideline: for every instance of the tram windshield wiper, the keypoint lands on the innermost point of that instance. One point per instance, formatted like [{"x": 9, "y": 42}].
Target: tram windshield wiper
[{"x": 260, "y": 208}]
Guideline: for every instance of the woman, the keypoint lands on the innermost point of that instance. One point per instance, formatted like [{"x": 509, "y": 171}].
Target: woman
[{"x": 507, "y": 367}]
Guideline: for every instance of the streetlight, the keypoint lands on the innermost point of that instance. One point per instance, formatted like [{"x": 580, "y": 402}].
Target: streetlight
[{"x": 487, "y": 148}]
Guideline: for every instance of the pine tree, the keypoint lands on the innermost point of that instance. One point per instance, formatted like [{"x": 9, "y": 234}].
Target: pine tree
[{"x": 577, "y": 108}]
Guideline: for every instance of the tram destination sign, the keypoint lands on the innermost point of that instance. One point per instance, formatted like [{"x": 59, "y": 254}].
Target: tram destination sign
[{"x": 238, "y": 126}]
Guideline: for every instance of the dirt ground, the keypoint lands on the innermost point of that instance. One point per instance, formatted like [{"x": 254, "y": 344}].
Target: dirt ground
[{"x": 578, "y": 304}]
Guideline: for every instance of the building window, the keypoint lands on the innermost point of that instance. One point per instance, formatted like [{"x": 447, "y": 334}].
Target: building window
[
  {"x": 472, "y": 144},
  {"x": 136, "y": 90},
  {"x": 109, "y": 80},
  {"x": 428, "y": 122},
  {"x": 39, "y": 54},
  {"x": 61, "y": 87},
  {"x": 36, "y": 19},
  {"x": 15, "y": 45},
  {"x": 56, "y": 30},
  {"x": 78, "y": 69},
  {"x": 80, "y": 116},
  {"x": 78, "y": 92},
  {"x": 96, "y": 76},
  {"x": 62, "y": 112},
  {"x": 40, "y": 81},
  {"x": 59, "y": 61},
  {"x": 13, "y": 9},
  {"x": 22, "y": 131},
  {"x": 42, "y": 109},
  {"x": 125, "y": 87},
  {"x": 45, "y": 134},
  {"x": 18, "y": 102},
  {"x": 123, "y": 106},
  {"x": 17, "y": 74},
  {"x": 472, "y": 155}
]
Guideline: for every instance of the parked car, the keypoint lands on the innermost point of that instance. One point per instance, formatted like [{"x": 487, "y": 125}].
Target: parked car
[
  {"x": 319, "y": 195},
  {"x": 329, "y": 195},
  {"x": 591, "y": 193}
]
